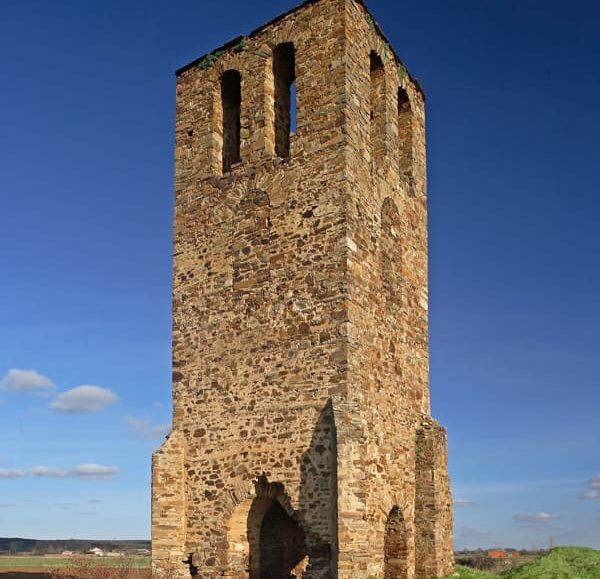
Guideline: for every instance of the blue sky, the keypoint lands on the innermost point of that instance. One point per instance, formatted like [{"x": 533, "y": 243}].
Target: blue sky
[{"x": 86, "y": 117}]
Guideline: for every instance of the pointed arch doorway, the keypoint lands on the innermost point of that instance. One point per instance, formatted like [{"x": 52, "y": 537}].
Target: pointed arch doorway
[
  {"x": 265, "y": 538},
  {"x": 396, "y": 546}
]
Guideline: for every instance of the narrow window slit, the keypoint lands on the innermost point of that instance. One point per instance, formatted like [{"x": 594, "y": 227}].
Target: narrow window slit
[
  {"x": 231, "y": 99},
  {"x": 284, "y": 73},
  {"x": 405, "y": 134},
  {"x": 377, "y": 96},
  {"x": 293, "y": 112}
]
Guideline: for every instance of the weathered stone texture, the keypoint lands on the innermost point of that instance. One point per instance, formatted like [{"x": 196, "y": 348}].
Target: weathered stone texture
[
  {"x": 168, "y": 499},
  {"x": 302, "y": 443}
]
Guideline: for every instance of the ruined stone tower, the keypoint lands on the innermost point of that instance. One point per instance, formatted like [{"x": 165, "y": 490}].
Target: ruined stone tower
[{"x": 302, "y": 441}]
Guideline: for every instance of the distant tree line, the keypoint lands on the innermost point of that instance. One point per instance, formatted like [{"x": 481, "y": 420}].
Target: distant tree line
[{"x": 15, "y": 545}]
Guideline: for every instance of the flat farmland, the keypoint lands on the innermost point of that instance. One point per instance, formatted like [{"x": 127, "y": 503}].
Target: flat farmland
[{"x": 38, "y": 567}]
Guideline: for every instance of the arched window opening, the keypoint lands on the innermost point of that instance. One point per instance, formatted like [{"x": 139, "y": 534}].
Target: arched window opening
[
  {"x": 395, "y": 546},
  {"x": 377, "y": 96},
  {"x": 405, "y": 134},
  {"x": 231, "y": 100},
  {"x": 284, "y": 74}
]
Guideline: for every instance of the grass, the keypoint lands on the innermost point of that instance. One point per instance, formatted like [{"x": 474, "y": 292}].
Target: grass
[
  {"x": 33, "y": 562},
  {"x": 468, "y": 573},
  {"x": 560, "y": 563},
  {"x": 16, "y": 561}
]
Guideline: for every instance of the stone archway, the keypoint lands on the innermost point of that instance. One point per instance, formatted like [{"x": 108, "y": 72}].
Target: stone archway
[
  {"x": 281, "y": 545},
  {"x": 396, "y": 546},
  {"x": 265, "y": 539}
]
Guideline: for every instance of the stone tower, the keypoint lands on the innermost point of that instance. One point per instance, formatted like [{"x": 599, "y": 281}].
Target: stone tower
[{"x": 302, "y": 441}]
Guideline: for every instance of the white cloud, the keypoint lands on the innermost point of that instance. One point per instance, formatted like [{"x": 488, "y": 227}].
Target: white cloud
[
  {"x": 48, "y": 471},
  {"x": 18, "y": 380},
  {"x": 472, "y": 538},
  {"x": 84, "y": 399},
  {"x": 144, "y": 427},
  {"x": 464, "y": 504},
  {"x": 89, "y": 470},
  {"x": 592, "y": 490},
  {"x": 537, "y": 518},
  {"x": 472, "y": 534},
  {"x": 540, "y": 527},
  {"x": 93, "y": 470},
  {"x": 12, "y": 473},
  {"x": 64, "y": 506}
]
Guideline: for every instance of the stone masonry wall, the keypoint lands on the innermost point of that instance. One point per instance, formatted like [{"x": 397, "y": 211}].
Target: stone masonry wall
[
  {"x": 168, "y": 506},
  {"x": 258, "y": 295},
  {"x": 433, "y": 507},
  {"x": 300, "y": 355},
  {"x": 388, "y": 369}
]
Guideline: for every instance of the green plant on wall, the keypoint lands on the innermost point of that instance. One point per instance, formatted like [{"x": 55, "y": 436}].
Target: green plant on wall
[
  {"x": 384, "y": 53},
  {"x": 210, "y": 59},
  {"x": 402, "y": 74},
  {"x": 371, "y": 22},
  {"x": 241, "y": 45}
]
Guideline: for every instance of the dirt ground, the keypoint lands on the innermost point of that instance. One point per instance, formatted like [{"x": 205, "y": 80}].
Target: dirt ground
[{"x": 37, "y": 574}]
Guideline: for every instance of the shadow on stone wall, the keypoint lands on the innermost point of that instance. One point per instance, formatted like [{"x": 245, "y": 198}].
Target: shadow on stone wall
[
  {"x": 318, "y": 497},
  {"x": 272, "y": 535}
]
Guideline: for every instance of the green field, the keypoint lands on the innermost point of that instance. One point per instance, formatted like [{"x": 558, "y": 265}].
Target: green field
[
  {"x": 14, "y": 562},
  {"x": 560, "y": 563},
  {"x": 33, "y": 562}
]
